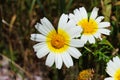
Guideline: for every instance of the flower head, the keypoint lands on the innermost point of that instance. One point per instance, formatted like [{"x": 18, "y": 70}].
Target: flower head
[
  {"x": 113, "y": 69},
  {"x": 86, "y": 74},
  {"x": 58, "y": 44},
  {"x": 92, "y": 26}
]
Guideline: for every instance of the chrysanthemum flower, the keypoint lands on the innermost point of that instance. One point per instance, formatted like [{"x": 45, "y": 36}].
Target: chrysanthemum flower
[
  {"x": 58, "y": 44},
  {"x": 92, "y": 26},
  {"x": 113, "y": 69}
]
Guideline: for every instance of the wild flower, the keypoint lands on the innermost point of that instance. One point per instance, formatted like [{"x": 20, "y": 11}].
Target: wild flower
[{"x": 59, "y": 44}]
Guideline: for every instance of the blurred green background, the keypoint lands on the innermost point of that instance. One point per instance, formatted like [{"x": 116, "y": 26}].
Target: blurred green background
[{"x": 17, "y": 20}]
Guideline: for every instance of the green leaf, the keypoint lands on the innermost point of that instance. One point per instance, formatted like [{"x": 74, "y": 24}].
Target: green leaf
[{"x": 106, "y": 42}]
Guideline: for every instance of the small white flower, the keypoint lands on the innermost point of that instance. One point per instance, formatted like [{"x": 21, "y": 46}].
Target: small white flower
[
  {"x": 113, "y": 69},
  {"x": 92, "y": 26},
  {"x": 58, "y": 44}
]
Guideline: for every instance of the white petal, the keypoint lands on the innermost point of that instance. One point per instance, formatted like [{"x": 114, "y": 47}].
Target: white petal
[
  {"x": 104, "y": 24},
  {"x": 76, "y": 43},
  {"x": 84, "y": 39},
  {"x": 91, "y": 39},
  {"x": 97, "y": 35},
  {"x": 113, "y": 64},
  {"x": 67, "y": 60},
  {"x": 38, "y": 46},
  {"x": 83, "y": 12},
  {"x": 47, "y": 25},
  {"x": 73, "y": 17},
  {"x": 94, "y": 13},
  {"x": 77, "y": 14},
  {"x": 116, "y": 60},
  {"x": 41, "y": 29},
  {"x": 99, "y": 19},
  {"x": 38, "y": 37},
  {"x": 74, "y": 32},
  {"x": 58, "y": 61},
  {"x": 70, "y": 24},
  {"x": 110, "y": 70},
  {"x": 110, "y": 78},
  {"x": 74, "y": 52},
  {"x": 42, "y": 52},
  {"x": 111, "y": 67},
  {"x": 104, "y": 31},
  {"x": 63, "y": 21},
  {"x": 50, "y": 59}
]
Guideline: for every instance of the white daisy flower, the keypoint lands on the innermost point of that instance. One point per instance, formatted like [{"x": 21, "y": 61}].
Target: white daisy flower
[
  {"x": 58, "y": 44},
  {"x": 92, "y": 26},
  {"x": 113, "y": 69}
]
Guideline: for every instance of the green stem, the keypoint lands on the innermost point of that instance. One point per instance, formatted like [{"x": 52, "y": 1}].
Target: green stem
[
  {"x": 88, "y": 50},
  {"x": 33, "y": 3}
]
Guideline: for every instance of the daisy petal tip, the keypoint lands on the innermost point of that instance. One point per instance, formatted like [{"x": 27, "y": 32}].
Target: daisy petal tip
[
  {"x": 82, "y": 8},
  {"x": 37, "y": 55},
  {"x": 78, "y": 57},
  {"x": 32, "y": 35},
  {"x": 44, "y": 18},
  {"x": 92, "y": 42},
  {"x": 108, "y": 33},
  {"x": 96, "y": 8},
  {"x": 70, "y": 14},
  {"x": 108, "y": 23},
  {"x": 109, "y": 78},
  {"x": 31, "y": 38},
  {"x": 58, "y": 68},
  {"x": 37, "y": 24},
  {"x": 48, "y": 65},
  {"x": 64, "y": 15},
  {"x": 82, "y": 43},
  {"x": 68, "y": 66}
]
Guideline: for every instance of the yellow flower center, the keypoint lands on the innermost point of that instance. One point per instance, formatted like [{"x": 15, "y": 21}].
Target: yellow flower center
[
  {"x": 117, "y": 75},
  {"x": 89, "y": 27},
  {"x": 86, "y": 74},
  {"x": 58, "y": 42}
]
